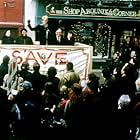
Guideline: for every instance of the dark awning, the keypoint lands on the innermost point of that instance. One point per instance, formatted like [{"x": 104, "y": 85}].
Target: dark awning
[{"x": 95, "y": 18}]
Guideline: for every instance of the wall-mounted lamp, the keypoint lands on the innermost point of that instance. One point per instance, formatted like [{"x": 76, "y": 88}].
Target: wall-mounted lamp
[
  {"x": 67, "y": 2},
  {"x": 99, "y": 3},
  {"x": 130, "y": 5},
  {"x": 5, "y": 4}
]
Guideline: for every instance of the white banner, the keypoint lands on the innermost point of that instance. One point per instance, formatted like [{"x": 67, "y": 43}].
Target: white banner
[{"x": 57, "y": 56}]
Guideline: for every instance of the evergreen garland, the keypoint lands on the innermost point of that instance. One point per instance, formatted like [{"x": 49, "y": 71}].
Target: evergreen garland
[{"x": 81, "y": 33}]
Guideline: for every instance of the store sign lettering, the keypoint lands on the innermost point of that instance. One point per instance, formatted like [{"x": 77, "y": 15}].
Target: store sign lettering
[{"x": 98, "y": 11}]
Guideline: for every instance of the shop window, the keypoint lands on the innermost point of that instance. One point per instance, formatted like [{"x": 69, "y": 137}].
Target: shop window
[
  {"x": 97, "y": 35},
  {"x": 102, "y": 40},
  {"x": 83, "y": 32}
]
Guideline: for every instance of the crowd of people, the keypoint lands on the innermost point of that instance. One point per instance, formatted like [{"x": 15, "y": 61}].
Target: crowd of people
[
  {"x": 40, "y": 102},
  {"x": 42, "y": 34}
]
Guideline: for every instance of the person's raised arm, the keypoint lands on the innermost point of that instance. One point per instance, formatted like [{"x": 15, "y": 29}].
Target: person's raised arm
[{"x": 29, "y": 25}]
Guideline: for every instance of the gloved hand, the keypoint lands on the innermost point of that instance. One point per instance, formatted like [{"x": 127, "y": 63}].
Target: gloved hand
[{"x": 28, "y": 21}]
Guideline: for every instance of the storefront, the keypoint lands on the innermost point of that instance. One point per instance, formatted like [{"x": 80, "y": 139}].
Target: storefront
[{"x": 101, "y": 27}]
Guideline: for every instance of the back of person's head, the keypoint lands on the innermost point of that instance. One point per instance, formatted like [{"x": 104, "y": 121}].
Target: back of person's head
[
  {"x": 25, "y": 66},
  {"x": 48, "y": 87},
  {"x": 24, "y": 86},
  {"x": 75, "y": 93},
  {"x": 77, "y": 88},
  {"x": 93, "y": 77},
  {"x": 93, "y": 82},
  {"x": 69, "y": 66},
  {"x": 131, "y": 72},
  {"x": 124, "y": 101},
  {"x": 137, "y": 83},
  {"x": 36, "y": 66},
  {"x": 106, "y": 73},
  {"x": 6, "y": 59},
  {"x": 27, "y": 85},
  {"x": 52, "y": 71}
]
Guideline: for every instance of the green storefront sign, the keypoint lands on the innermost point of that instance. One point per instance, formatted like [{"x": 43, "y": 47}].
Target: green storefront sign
[{"x": 72, "y": 10}]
